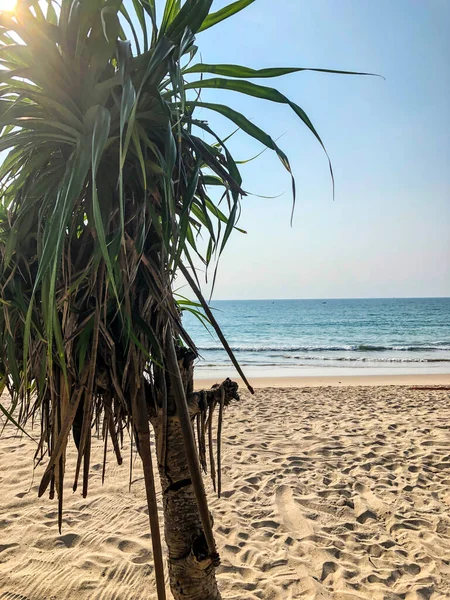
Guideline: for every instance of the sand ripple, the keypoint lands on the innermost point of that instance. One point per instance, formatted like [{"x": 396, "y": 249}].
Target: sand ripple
[{"x": 340, "y": 493}]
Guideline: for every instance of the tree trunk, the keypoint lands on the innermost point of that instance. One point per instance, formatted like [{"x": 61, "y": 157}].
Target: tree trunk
[
  {"x": 191, "y": 569},
  {"x": 191, "y": 566}
]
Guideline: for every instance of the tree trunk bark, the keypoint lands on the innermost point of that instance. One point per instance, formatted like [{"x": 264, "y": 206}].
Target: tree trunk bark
[
  {"x": 191, "y": 565},
  {"x": 191, "y": 569}
]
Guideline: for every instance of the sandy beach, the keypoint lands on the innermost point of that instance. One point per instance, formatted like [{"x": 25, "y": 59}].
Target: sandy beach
[
  {"x": 340, "y": 491},
  {"x": 342, "y": 380}
]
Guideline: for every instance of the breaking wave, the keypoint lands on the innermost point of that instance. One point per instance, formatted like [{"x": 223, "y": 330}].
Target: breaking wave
[
  {"x": 386, "y": 359},
  {"x": 439, "y": 346},
  {"x": 305, "y": 360}
]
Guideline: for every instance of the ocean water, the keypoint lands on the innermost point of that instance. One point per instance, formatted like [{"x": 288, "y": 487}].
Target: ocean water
[{"x": 312, "y": 337}]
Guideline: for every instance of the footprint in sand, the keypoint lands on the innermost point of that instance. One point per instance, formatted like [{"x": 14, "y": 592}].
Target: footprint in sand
[{"x": 291, "y": 514}]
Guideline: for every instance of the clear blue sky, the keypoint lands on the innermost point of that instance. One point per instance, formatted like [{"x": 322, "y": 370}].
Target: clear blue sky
[{"x": 388, "y": 231}]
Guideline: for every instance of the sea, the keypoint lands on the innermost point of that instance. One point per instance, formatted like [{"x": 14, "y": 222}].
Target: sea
[{"x": 319, "y": 337}]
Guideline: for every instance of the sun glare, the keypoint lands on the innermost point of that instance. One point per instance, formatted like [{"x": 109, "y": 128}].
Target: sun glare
[{"x": 9, "y": 5}]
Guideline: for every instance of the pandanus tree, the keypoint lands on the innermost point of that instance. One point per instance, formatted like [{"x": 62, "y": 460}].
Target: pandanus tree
[{"x": 108, "y": 178}]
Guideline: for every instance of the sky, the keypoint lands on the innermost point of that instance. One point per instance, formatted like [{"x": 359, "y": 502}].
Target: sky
[{"x": 387, "y": 232}]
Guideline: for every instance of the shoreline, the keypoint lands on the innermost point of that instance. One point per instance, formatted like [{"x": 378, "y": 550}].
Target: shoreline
[{"x": 428, "y": 379}]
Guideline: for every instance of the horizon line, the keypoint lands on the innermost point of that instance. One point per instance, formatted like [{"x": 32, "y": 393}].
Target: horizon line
[{"x": 334, "y": 298}]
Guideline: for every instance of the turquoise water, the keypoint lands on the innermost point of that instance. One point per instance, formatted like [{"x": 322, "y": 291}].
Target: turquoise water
[{"x": 279, "y": 337}]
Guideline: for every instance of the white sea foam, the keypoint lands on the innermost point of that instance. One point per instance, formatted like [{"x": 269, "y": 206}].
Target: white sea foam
[{"x": 344, "y": 348}]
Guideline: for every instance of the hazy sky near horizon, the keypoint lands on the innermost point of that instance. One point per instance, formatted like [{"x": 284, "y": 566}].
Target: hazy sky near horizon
[{"x": 387, "y": 233}]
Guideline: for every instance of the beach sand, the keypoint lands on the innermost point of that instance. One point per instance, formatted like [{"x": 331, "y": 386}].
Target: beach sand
[
  {"x": 328, "y": 492},
  {"x": 426, "y": 379}
]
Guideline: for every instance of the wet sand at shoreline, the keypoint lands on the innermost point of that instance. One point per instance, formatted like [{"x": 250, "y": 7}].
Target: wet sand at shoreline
[{"x": 426, "y": 379}]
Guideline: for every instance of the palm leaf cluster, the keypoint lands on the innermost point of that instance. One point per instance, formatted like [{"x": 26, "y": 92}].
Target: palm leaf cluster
[{"x": 108, "y": 180}]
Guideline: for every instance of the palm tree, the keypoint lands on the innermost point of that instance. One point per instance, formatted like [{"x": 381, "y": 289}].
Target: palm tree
[{"x": 108, "y": 181}]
